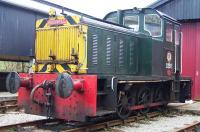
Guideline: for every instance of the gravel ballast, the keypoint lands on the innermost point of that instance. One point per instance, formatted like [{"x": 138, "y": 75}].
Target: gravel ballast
[
  {"x": 157, "y": 124},
  {"x": 160, "y": 124},
  {"x": 16, "y": 117}
]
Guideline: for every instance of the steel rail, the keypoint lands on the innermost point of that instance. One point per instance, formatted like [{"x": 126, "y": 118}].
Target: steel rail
[
  {"x": 8, "y": 101},
  {"x": 108, "y": 124},
  {"x": 26, "y": 124},
  {"x": 6, "y": 105},
  {"x": 194, "y": 127},
  {"x": 90, "y": 127}
]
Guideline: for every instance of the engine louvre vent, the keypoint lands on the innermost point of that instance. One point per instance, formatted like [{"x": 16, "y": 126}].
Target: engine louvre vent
[
  {"x": 108, "y": 51},
  {"x": 94, "y": 49},
  {"x": 121, "y": 53}
]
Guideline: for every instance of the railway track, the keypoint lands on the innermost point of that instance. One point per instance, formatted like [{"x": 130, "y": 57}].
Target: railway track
[
  {"x": 112, "y": 123},
  {"x": 26, "y": 124},
  {"x": 53, "y": 124},
  {"x": 8, "y": 105},
  {"x": 194, "y": 127},
  {"x": 63, "y": 126}
]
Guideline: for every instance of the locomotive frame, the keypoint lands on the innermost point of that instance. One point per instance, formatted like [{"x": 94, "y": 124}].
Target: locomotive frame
[{"x": 115, "y": 67}]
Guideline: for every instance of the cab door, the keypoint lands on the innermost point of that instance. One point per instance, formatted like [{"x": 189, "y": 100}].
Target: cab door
[
  {"x": 169, "y": 49},
  {"x": 177, "y": 41}
]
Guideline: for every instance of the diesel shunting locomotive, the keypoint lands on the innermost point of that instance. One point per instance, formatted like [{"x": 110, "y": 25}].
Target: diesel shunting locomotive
[{"x": 84, "y": 68}]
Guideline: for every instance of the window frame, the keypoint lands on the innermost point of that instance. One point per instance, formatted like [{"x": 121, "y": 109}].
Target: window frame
[
  {"x": 172, "y": 29},
  {"x": 112, "y": 15},
  {"x": 138, "y": 18},
  {"x": 177, "y": 29},
  {"x": 161, "y": 26}
]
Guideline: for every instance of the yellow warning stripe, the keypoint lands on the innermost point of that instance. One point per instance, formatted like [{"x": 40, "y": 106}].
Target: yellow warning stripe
[
  {"x": 51, "y": 68},
  {"x": 58, "y": 21}
]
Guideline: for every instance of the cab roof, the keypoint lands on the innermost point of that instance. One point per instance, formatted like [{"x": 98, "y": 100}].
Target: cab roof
[{"x": 143, "y": 10}]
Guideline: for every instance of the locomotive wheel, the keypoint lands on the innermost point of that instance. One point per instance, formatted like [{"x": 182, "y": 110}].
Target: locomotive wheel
[
  {"x": 123, "y": 104},
  {"x": 144, "y": 98},
  {"x": 158, "y": 95}
]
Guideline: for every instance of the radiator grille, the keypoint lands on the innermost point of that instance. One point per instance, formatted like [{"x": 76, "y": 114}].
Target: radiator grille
[{"x": 58, "y": 42}]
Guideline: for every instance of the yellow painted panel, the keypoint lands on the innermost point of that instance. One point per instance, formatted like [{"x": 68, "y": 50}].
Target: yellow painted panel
[
  {"x": 44, "y": 44},
  {"x": 63, "y": 43}
]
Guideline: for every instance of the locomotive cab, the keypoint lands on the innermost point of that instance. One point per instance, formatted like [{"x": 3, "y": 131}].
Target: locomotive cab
[
  {"x": 165, "y": 33},
  {"x": 166, "y": 36}
]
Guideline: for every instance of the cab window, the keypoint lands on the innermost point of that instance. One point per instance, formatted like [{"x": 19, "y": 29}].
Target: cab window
[
  {"x": 153, "y": 25},
  {"x": 169, "y": 32},
  {"x": 131, "y": 21},
  {"x": 177, "y": 35},
  {"x": 112, "y": 17}
]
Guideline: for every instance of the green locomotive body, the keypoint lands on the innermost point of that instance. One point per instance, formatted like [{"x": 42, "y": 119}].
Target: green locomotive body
[
  {"x": 130, "y": 60},
  {"x": 136, "y": 52}
]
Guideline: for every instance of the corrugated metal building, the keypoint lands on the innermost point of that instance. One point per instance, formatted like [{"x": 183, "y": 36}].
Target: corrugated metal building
[
  {"x": 17, "y": 32},
  {"x": 17, "y": 24},
  {"x": 17, "y": 36},
  {"x": 188, "y": 14}
]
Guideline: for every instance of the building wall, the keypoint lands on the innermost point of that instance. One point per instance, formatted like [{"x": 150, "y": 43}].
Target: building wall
[
  {"x": 185, "y": 10},
  {"x": 181, "y": 9},
  {"x": 17, "y": 38},
  {"x": 191, "y": 55},
  {"x": 17, "y": 32}
]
